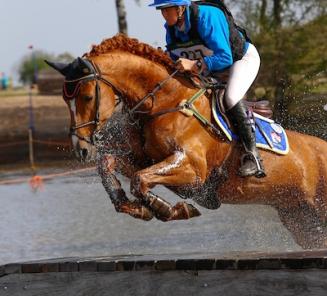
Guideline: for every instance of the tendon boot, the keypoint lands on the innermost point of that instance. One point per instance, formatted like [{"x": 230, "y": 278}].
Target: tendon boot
[{"x": 251, "y": 163}]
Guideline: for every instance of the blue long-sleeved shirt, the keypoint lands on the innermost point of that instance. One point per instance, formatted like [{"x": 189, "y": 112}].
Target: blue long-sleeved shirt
[{"x": 214, "y": 31}]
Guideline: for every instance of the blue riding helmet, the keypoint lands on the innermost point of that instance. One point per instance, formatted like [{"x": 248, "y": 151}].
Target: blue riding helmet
[{"x": 167, "y": 3}]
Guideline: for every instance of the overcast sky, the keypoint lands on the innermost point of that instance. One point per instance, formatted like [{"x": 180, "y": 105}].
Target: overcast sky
[{"x": 56, "y": 26}]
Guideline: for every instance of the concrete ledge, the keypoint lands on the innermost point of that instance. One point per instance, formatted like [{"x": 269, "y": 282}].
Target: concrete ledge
[
  {"x": 193, "y": 262},
  {"x": 247, "y": 274}
]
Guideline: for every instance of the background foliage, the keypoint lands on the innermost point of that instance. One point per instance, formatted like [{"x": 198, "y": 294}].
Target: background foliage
[
  {"x": 33, "y": 63},
  {"x": 291, "y": 38}
]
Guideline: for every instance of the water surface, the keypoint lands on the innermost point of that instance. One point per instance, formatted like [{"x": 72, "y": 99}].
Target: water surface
[{"x": 72, "y": 217}]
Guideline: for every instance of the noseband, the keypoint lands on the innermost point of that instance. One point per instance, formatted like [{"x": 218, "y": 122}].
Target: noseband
[{"x": 97, "y": 76}]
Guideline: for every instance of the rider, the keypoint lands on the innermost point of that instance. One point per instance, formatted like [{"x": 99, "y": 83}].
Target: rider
[{"x": 205, "y": 39}]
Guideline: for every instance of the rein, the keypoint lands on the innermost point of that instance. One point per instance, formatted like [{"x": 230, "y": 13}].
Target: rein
[
  {"x": 151, "y": 95},
  {"x": 185, "y": 106}
]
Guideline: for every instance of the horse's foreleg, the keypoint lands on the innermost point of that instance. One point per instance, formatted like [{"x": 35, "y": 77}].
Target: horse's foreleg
[
  {"x": 106, "y": 169},
  {"x": 173, "y": 171}
]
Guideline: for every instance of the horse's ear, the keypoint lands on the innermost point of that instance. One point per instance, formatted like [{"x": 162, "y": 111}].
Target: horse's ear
[
  {"x": 81, "y": 62},
  {"x": 84, "y": 66},
  {"x": 60, "y": 67}
]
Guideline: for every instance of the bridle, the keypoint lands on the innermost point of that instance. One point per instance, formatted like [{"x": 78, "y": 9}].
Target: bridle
[{"x": 96, "y": 75}]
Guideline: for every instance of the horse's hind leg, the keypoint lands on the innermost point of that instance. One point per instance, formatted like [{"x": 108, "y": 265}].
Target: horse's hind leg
[
  {"x": 303, "y": 221},
  {"x": 173, "y": 171}
]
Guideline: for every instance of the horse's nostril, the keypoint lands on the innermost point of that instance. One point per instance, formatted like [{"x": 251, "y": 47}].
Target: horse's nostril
[{"x": 84, "y": 153}]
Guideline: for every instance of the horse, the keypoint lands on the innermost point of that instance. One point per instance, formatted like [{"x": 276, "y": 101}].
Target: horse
[{"x": 179, "y": 151}]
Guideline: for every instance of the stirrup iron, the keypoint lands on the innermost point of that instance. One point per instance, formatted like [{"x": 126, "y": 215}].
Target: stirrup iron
[{"x": 260, "y": 173}]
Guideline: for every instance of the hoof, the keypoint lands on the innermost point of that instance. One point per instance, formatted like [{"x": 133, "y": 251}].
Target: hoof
[
  {"x": 136, "y": 210},
  {"x": 193, "y": 211},
  {"x": 144, "y": 214},
  {"x": 184, "y": 211}
]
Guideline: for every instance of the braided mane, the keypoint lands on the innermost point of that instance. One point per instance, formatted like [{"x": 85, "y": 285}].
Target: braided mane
[{"x": 132, "y": 45}]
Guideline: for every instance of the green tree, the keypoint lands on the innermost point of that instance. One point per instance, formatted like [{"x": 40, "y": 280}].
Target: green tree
[
  {"x": 65, "y": 57},
  {"x": 288, "y": 34},
  {"x": 32, "y": 63}
]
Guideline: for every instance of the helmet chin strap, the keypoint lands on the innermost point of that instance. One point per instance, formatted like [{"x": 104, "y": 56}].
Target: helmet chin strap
[{"x": 180, "y": 18}]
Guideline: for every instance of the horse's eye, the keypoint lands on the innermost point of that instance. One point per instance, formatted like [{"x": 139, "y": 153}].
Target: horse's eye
[{"x": 87, "y": 97}]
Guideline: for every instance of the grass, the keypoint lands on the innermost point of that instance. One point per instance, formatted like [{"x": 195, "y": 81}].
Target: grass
[
  {"x": 320, "y": 89},
  {"x": 16, "y": 92}
]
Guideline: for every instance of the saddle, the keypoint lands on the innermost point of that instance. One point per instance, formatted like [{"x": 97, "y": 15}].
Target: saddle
[
  {"x": 269, "y": 134},
  {"x": 260, "y": 107}
]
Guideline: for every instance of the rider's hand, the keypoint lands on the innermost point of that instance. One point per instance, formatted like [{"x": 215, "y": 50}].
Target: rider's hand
[{"x": 188, "y": 65}]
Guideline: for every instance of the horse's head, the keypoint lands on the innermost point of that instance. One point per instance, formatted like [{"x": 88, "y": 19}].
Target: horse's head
[{"x": 90, "y": 105}]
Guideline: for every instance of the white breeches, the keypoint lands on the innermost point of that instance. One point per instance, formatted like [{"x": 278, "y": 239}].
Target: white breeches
[{"x": 241, "y": 76}]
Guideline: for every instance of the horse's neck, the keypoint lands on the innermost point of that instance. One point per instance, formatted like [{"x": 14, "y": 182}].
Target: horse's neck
[{"x": 136, "y": 77}]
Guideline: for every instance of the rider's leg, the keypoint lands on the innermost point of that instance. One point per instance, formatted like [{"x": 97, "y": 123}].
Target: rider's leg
[
  {"x": 242, "y": 75},
  {"x": 251, "y": 163}
]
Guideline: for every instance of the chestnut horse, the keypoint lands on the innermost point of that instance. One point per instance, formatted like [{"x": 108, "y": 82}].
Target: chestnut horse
[{"x": 178, "y": 151}]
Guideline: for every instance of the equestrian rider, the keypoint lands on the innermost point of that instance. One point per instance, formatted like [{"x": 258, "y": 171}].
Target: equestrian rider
[{"x": 205, "y": 39}]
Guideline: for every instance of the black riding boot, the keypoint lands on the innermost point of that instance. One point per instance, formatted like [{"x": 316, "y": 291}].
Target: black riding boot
[{"x": 251, "y": 163}]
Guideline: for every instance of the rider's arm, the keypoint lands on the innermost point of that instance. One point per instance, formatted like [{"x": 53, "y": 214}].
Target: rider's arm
[{"x": 214, "y": 31}]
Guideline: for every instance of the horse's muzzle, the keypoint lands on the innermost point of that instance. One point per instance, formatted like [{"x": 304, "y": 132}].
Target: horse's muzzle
[{"x": 84, "y": 152}]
